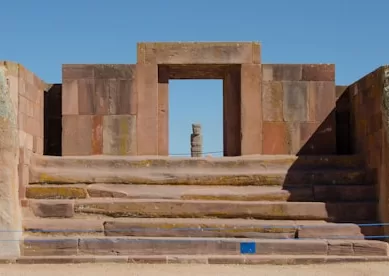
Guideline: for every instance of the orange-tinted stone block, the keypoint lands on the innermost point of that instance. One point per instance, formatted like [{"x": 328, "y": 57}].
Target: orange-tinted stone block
[
  {"x": 275, "y": 138},
  {"x": 272, "y": 101},
  {"x": 318, "y": 72}
]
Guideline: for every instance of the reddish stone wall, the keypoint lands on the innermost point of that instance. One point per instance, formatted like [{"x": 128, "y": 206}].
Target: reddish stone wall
[
  {"x": 99, "y": 107},
  {"x": 298, "y": 102},
  {"x": 29, "y": 90},
  {"x": 369, "y": 131}
]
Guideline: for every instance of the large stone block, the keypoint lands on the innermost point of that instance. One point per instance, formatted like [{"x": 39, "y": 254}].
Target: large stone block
[
  {"x": 251, "y": 109},
  {"x": 198, "y": 53},
  {"x": 295, "y": 103},
  {"x": 147, "y": 117},
  {"x": 87, "y": 98},
  {"x": 286, "y": 72},
  {"x": 77, "y": 71},
  {"x": 322, "y": 100},
  {"x": 272, "y": 101},
  {"x": 119, "y": 135},
  {"x": 275, "y": 138},
  {"x": 318, "y": 72},
  {"x": 69, "y": 97},
  {"x": 77, "y": 134}
]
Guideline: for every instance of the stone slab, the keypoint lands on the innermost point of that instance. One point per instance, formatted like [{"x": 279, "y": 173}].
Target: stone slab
[
  {"x": 52, "y": 208},
  {"x": 198, "y": 53},
  {"x": 119, "y": 135}
]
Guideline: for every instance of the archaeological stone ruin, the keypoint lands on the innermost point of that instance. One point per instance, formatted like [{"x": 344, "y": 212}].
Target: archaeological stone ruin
[{"x": 86, "y": 175}]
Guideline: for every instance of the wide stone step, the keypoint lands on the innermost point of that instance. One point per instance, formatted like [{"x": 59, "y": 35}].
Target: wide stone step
[
  {"x": 153, "y": 208},
  {"x": 177, "y": 227},
  {"x": 199, "y": 259},
  {"x": 195, "y": 192},
  {"x": 62, "y": 246},
  {"x": 221, "y": 176},
  {"x": 285, "y": 162}
]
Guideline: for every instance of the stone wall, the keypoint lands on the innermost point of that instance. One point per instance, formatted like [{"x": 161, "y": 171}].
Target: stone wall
[
  {"x": 369, "y": 131},
  {"x": 298, "y": 105},
  {"x": 99, "y": 109},
  {"x": 21, "y": 134}
]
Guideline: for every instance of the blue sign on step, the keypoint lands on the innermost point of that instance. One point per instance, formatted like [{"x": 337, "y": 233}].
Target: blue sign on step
[{"x": 248, "y": 248}]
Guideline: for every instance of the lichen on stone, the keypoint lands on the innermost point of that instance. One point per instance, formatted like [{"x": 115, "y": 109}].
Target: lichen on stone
[{"x": 6, "y": 107}]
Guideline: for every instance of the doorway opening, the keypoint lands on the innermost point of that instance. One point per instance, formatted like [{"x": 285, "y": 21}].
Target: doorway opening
[{"x": 196, "y": 102}]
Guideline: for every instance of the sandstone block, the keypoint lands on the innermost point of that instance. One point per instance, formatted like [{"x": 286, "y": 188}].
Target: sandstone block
[
  {"x": 295, "y": 102},
  {"x": 292, "y": 247},
  {"x": 321, "y": 100},
  {"x": 114, "y": 71},
  {"x": 340, "y": 248},
  {"x": 318, "y": 72},
  {"x": 62, "y": 227},
  {"x": 70, "y": 97},
  {"x": 267, "y": 72},
  {"x": 287, "y": 72},
  {"x": 272, "y": 101},
  {"x": 147, "y": 118},
  {"x": 370, "y": 248},
  {"x": 251, "y": 113},
  {"x": 77, "y": 71},
  {"x": 157, "y": 246},
  {"x": 275, "y": 138},
  {"x": 56, "y": 192},
  {"x": 330, "y": 231},
  {"x": 54, "y": 209},
  {"x": 97, "y": 135},
  {"x": 49, "y": 246},
  {"x": 77, "y": 135},
  {"x": 88, "y": 101},
  {"x": 198, "y": 53},
  {"x": 119, "y": 135}
]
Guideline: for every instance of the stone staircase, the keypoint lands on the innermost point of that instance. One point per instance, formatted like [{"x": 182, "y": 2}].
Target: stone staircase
[{"x": 257, "y": 209}]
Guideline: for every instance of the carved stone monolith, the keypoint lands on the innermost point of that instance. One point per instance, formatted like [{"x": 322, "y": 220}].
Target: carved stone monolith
[{"x": 196, "y": 141}]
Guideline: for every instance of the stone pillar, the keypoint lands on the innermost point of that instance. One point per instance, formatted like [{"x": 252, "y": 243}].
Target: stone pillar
[
  {"x": 10, "y": 217},
  {"x": 196, "y": 141}
]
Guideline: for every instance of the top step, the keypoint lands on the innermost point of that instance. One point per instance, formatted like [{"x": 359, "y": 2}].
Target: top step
[{"x": 260, "y": 162}]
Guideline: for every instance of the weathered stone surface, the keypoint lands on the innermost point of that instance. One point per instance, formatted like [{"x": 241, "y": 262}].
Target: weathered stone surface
[
  {"x": 322, "y": 100},
  {"x": 287, "y": 72},
  {"x": 119, "y": 135},
  {"x": 272, "y": 101},
  {"x": 53, "y": 208},
  {"x": 247, "y": 193},
  {"x": 198, "y": 53},
  {"x": 89, "y": 102},
  {"x": 275, "y": 138},
  {"x": 238, "y": 228},
  {"x": 318, "y": 72},
  {"x": 77, "y": 71},
  {"x": 340, "y": 248},
  {"x": 329, "y": 231},
  {"x": 9, "y": 154},
  {"x": 49, "y": 247},
  {"x": 348, "y": 193},
  {"x": 63, "y": 227},
  {"x": 292, "y": 247},
  {"x": 70, "y": 97},
  {"x": 199, "y": 208},
  {"x": 295, "y": 101},
  {"x": 274, "y": 162},
  {"x": 370, "y": 248},
  {"x": 250, "y": 108},
  {"x": 56, "y": 192},
  {"x": 157, "y": 246},
  {"x": 77, "y": 134},
  {"x": 147, "y": 117}
]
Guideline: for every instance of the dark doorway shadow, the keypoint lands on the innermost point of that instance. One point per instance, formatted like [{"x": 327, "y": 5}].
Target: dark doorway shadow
[{"x": 53, "y": 121}]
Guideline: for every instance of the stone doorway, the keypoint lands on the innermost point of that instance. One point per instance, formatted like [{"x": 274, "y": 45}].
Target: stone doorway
[{"x": 237, "y": 64}]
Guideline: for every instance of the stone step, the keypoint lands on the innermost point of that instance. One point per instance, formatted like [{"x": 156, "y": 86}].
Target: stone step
[
  {"x": 221, "y": 176},
  {"x": 199, "y": 259},
  {"x": 285, "y": 162},
  {"x": 154, "y": 208},
  {"x": 65, "y": 246},
  {"x": 177, "y": 227},
  {"x": 195, "y": 192}
]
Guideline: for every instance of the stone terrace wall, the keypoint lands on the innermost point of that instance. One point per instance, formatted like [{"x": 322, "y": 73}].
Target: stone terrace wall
[
  {"x": 298, "y": 103},
  {"x": 369, "y": 130},
  {"x": 99, "y": 109},
  {"x": 28, "y": 91}
]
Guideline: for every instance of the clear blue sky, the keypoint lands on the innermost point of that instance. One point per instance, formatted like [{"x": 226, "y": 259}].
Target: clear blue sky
[{"x": 44, "y": 34}]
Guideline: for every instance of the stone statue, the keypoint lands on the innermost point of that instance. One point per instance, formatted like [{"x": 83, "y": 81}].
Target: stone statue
[{"x": 196, "y": 141}]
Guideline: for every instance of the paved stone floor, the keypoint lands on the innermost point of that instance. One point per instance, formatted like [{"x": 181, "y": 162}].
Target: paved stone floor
[{"x": 350, "y": 269}]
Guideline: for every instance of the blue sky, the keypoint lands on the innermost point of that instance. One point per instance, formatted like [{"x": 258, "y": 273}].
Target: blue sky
[{"x": 44, "y": 34}]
